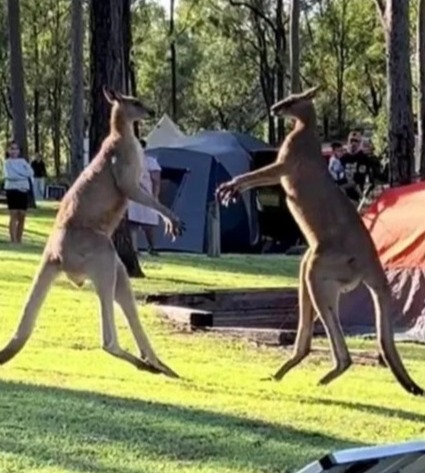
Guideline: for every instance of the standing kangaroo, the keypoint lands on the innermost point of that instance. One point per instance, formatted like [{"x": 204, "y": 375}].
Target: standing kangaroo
[
  {"x": 80, "y": 243},
  {"x": 340, "y": 255}
]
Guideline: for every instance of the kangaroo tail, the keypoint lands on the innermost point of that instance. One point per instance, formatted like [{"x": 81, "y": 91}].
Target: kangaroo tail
[
  {"x": 382, "y": 301},
  {"x": 42, "y": 281}
]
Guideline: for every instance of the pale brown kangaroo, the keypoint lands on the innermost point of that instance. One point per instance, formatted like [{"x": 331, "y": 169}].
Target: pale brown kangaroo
[
  {"x": 80, "y": 243},
  {"x": 340, "y": 255}
]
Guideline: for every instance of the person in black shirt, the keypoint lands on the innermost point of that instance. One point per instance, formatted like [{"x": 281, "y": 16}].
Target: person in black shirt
[
  {"x": 357, "y": 167},
  {"x": 40, "y": 175}
]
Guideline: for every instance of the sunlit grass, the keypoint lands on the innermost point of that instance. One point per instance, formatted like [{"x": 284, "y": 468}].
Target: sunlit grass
[{"x": 66, "y": 406}]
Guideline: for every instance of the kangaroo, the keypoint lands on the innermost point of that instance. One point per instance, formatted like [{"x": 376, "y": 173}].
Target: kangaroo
[
  {"x": 340, "y": 255},
  {"x": 80, "y": 243}
]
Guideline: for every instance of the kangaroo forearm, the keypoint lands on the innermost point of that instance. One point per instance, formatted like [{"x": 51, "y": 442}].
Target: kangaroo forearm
[
  {"x": 267, "y": 176},
  {"x": 260, "y": 182},
  {"x": 144, "y": 198}
]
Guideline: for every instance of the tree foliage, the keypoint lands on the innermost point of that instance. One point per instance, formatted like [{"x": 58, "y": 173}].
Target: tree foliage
[{"x": 232, "y": 64}]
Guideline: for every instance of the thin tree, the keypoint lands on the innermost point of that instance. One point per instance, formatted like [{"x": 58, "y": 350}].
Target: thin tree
[
  {"x": 19, "y": 109},
  {"x": 401, "y": 140},
  {"x": 77, "y": 81},
  {"x": 294, "y": 45},
  {"x": 280, "y": 41},
  {"x": 109, "y": 21},
  {"x": 17, "y": 76},
  {"x": 173, "y": 61},
  {"x": 421, "y": 88}
]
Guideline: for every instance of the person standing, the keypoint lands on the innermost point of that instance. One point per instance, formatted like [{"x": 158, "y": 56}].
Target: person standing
[
  {"x": 336, "y": 168},
  {"x": 40, "y": 174},
  {"x": 17, "y": 173},
  {"x": 139, "y": 216},
  {"x": 358, "y": 167}
]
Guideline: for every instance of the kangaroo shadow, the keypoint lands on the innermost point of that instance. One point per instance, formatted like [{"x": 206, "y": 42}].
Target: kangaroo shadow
[
  {"x": 47, "y": 426},
  {"x": 367, "y": 408}
]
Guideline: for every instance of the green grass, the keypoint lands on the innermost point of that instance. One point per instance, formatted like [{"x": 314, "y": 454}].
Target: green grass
[{"x": 66, "y": 406}]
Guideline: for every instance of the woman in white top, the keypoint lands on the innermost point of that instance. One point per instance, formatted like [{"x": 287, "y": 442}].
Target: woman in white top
[{"x": 17, "y": 174}]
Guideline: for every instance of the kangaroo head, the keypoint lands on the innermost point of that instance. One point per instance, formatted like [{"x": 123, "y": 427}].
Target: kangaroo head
[
  {"x": 295, "y": 105},
  {"x": 130, "y": 107}
]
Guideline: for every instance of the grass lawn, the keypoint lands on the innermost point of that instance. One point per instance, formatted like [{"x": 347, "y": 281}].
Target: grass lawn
[{"x": 66, "y": 406}]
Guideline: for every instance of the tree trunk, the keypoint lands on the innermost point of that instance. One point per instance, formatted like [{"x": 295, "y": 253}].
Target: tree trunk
[
  {"x": 421, "y": 89},
  {"x": 109, "y": 24},
  {"x": 340, "y": 47},
  {"x": 401, "y": 141},
  {"x": 77, "y": 105},
  {"x": 106, "y": 64},
  {"x": 173, "y": 63},
  {"x": 280, "y": 65},
  {"x": 36, "y": 118},
  {"x": 56, "y": 128},
  {"x": 130, "y": 69},
  {"x": 294, "y": 46},
  {"x": 17, "y": 76},
  {"x": 271, "y": 128},
  {"x": 36, "y": 92}
]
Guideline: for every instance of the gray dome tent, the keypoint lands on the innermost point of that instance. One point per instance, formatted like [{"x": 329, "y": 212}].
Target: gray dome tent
[{"x": 191, "y": 171}]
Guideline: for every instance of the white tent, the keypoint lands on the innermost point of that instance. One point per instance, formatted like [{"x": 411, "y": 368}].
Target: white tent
[{"x": 165, "y": 134}]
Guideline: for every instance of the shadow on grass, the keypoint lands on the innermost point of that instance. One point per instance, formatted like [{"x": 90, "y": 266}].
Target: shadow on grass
[
  {"x": 26, "y": 248},
  {"x": 367, "y": 409},
  {"x": 48, "y": 425},
  {"x": 45, "y": 210},
  {"x": 25, "y": 282}
]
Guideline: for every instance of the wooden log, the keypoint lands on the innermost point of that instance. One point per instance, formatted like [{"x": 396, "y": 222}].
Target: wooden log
[
  {"x": 230, "y": 299},
  {"x": 186, "y": 316},
  {"x": 270, "y": 337},
  {"x": 285, "y": 318}
]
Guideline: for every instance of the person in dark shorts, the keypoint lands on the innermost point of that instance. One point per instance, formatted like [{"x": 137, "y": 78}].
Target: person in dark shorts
[{"x": 17, "y": 174}]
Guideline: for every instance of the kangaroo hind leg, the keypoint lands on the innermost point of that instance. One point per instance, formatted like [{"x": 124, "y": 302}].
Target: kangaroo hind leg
[
  {"x": 302, "y": 346},
  {"x": 46, "y": 274},
  {"x": 125, "y": 298},
  {"x": 101, "y": 268},
  {"x": 324, "y": 286}
]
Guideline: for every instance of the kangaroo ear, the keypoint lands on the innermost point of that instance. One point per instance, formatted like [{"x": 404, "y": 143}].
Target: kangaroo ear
[
  {"x": 108, "y": 93},
  {"x": 309, "y": 94},
  {"x": 111, "y": 95},
  {"x": 118, "y": 96}
]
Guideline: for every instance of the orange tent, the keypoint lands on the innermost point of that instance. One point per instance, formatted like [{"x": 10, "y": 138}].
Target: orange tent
[{"x": 396, "y": 221}]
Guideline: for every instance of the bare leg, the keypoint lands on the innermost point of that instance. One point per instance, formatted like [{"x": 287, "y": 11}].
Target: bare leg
[
  {"x": 150, "y": 237},
  {"x": 13, "y": 221},
  {"x": 134, "y": 234},
  {"x": 125, "y": 298},
  {"x": 303, "y": 341},
  {"x": 324, "y": 294},
  {"x": 20, "y": 225}
]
